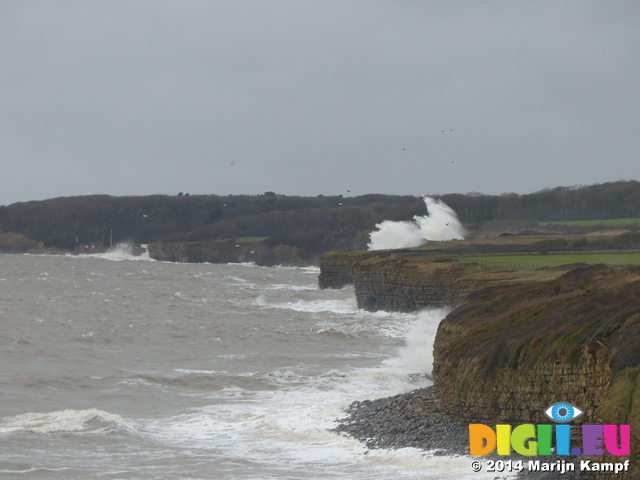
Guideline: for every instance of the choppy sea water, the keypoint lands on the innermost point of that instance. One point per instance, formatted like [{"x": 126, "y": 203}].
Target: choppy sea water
[{"x": 120, "y": 368}]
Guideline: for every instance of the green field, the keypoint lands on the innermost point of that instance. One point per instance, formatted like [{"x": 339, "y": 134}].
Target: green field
[
  {"x": 250, "y": 239},
  {"x": 554, "y": 260},
  {"x": 611, "y": 222},
  {"x": 243, "y": 239}
]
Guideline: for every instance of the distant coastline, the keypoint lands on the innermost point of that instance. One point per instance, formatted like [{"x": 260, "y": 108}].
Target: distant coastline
[{"x": 300, "y": 229}]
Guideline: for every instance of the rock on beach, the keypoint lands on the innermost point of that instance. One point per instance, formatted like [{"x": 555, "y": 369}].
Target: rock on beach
[{"x": 415, "y": 419}]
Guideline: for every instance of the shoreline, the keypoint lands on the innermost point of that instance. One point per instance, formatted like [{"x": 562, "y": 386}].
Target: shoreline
[
  {"x": 415, "y": 419},
  {"x": 411, "y": 419}
]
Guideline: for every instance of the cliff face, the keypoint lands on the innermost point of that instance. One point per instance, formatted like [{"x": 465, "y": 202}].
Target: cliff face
[
  {"x": 395, "y": 281},
  {"x": 405, "y": 286},
  {"x": 384, "y": 282},
  {"x": 335, "y": 269},
  {"x": 518, "y": 342},
  {"x": 509, "y": 352}
]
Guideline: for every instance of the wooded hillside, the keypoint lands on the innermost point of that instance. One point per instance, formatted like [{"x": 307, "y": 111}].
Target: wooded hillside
[{"x": 290, "y": 219}]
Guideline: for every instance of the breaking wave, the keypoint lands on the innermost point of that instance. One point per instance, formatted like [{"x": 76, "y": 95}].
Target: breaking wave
[
  {"x": 63, "y": 421},
  {"x": 439, "y": 224}
]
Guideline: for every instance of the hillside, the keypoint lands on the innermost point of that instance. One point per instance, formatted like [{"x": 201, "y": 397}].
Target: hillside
[{"x": 305, "y": 227}]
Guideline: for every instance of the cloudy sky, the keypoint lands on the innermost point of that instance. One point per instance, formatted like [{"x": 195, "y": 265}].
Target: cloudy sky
[{"x": 136, "y": 97}]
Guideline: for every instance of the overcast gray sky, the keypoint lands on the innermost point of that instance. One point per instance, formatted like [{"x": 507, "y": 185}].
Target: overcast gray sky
[{"x": 134, "y": 97}]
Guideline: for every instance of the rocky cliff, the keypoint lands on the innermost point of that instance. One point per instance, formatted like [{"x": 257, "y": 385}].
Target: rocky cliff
[
  {"x": 383, "y": 281},
  {"x": 509, "y": 352},
  {"x": 517, "y": 342},
  {"x": 406, "y": 281}
]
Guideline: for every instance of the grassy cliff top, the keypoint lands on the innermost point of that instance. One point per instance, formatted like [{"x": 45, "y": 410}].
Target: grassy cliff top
[{"x": 595, "y": 307}]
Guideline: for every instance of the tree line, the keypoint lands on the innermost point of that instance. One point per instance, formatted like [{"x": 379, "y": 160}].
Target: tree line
[
  {"x": 593, "y": 202},
  {"x": 62, "y": 222}
]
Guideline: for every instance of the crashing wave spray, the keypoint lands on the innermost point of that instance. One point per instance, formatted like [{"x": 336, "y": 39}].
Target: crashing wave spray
[
  {"x": 439, "y": 224},
  {"x": 417, "y": 354}
]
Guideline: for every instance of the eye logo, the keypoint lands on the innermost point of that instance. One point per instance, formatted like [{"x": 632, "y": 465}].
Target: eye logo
[
  {"x": 531, "y": 440},
  {"x": 563, "y": 412}
]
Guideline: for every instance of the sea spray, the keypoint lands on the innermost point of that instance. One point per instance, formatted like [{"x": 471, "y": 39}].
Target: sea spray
[
  {"x": 441, "y": 223},
  {"x": 416, "y": 357}
]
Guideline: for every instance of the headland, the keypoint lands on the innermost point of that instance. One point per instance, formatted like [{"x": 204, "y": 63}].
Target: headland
[{"x": 518, "y": 340}]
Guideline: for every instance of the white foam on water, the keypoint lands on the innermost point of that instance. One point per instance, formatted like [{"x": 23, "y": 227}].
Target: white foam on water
[
  {"x": 232, "y": 356},
  {"x": 63, "y": 421},
  {"x": 33, "y": 469},
  {"x": 238, "y": 280},
  {"x": 342, "y": 316},
  {"x": 125, "y": 253},
  {"x": 311, "y": 270},
  {"x": 294, "y": 288},
  {"x": 417, "y": 354},
  {"x": 433, "y": 467},
  {"x": 334, "y": 306},
  {"x": 116, "y": 254},
  {"x": 291, "y": 424},
  {"x": 357, "y": 326},
  {"x": 290, "y": 428},
  {"x": 246, "y": 420},
  {"x": 243, "y": 264}
]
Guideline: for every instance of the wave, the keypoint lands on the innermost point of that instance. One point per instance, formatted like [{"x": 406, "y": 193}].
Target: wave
[
  {"x": 293, "y": 288},
  {"x": 340, "y": 307},
  {"x": 64, "y": 421},
  {"x": 312, "y": 270},
  {"x": 365, "y": 324},
  {"x": 417, "y": 354},
  {"x": 439, "y": 224},
  {"x": 118, "y": 254}
]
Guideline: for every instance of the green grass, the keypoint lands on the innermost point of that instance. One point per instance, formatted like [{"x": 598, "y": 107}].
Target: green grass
[
  {"x": 554, "y": 260},
  {"x": 243, "y": 239},
  {"x": 250, "y": 239},
  {"x": 611, "y": 222}
]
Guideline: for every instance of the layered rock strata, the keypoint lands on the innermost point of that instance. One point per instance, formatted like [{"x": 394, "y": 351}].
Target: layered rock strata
[
  {"x": 512, "y": 347},
  {"x": 406, "y": 281},
  {"x": 509, "y": 352}
]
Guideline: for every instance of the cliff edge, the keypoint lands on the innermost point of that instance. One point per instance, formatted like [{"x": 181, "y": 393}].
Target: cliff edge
[
  {"x": 509, "y": 352},
  {"x": 409, "y": 280},
  {"x": 518, "y": 341}
]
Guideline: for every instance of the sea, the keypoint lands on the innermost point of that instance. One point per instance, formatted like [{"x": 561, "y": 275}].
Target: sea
[{"x": 121, "y": 367}]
